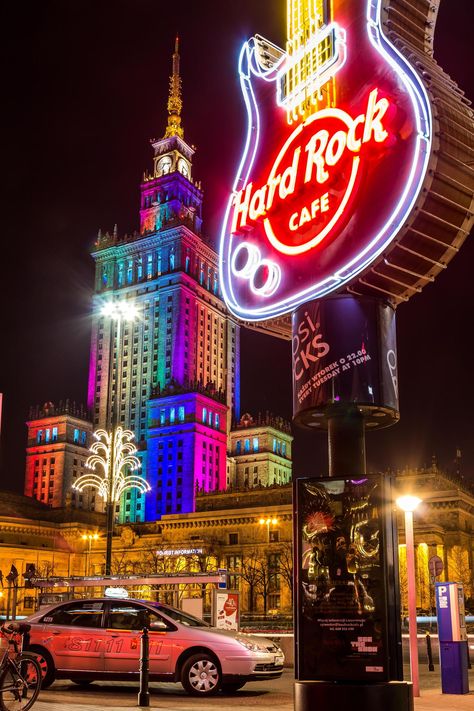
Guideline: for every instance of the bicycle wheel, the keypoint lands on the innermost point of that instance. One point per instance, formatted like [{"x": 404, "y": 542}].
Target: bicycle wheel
[{"x": 20, "y": 683}]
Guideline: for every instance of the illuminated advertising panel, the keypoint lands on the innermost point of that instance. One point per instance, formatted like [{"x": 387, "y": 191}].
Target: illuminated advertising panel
[
  {"x": 346, "y": 626},
  {"x": 337, "y": 147},
  {"x": 344, "y": 351}
]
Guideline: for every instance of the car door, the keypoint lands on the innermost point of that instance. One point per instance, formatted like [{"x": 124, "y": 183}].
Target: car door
[
  {"x": 124, "y": 624},
  {"x": 74, "y": 635}
]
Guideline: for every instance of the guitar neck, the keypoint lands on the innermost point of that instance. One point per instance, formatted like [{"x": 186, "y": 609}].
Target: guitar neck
[
  {"x": 306, "y": 84},
  {"x": 305, "y": 18}
]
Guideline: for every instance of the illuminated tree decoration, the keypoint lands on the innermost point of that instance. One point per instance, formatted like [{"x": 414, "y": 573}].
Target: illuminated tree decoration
[{"x": 112, "y": 484}]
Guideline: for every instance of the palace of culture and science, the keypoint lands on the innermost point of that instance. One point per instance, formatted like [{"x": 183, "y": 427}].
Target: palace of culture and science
[{"x": 176, "y": 369}]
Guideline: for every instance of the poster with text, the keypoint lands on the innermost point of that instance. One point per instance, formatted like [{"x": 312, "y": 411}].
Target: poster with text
[
  {"x": 342, "y": 620},
  {"x": 226, "y": 610},
  {"x": 344, "y": 351}
]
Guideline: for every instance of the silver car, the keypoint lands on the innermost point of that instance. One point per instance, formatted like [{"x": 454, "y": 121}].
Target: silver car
[{"x": 99, "y": 638}]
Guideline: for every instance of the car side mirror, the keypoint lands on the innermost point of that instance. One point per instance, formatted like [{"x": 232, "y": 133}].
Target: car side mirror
[{"x": 158, "y": 625}]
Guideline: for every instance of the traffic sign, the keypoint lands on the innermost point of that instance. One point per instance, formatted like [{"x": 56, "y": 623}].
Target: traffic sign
[
  {"x": 435, "y": 566},
  {"x": 222, "y": 572}
]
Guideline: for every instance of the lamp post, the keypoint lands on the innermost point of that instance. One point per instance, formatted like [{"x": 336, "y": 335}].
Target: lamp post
[
  {"x": 267, "y": 521},
  {"x": 89, "y": 537},
  {"x": 113, "y": 451},
  {"x": 408, "y": 504}
]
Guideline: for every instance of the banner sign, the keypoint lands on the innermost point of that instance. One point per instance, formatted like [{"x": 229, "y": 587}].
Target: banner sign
[
  {"x": 226, "y": 610},
  {"x": 344, "y": 351},
  {"x": 342, "y": 626}
]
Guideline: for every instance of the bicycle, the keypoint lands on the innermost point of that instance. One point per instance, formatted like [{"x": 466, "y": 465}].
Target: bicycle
[{"x": 20, "y": 672}]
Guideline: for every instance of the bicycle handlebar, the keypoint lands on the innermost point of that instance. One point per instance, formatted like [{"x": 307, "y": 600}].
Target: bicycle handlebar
[{"x": 19, "y": 627}]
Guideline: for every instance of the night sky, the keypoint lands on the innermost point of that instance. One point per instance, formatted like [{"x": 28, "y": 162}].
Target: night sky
[{"x": 85, "y": 89}]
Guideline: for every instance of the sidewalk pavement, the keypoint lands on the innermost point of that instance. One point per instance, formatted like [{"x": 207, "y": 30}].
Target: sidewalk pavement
[
  {"x": 430, "y": 701},
  {"x": 261, "y": 695}
]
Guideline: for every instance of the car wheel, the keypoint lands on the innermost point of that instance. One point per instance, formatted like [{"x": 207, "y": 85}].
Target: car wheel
[
  {"x": 232, "y": 688},
  {"x": 82, "y": 682},
  {"x": 46, "y": 663},
  {"x": 201, "y": 675}
]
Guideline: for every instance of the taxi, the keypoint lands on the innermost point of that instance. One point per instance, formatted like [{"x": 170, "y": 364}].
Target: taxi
[{"x": 93, "y": 639}]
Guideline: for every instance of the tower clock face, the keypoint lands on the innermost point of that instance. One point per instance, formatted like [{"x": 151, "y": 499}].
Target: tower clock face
[
  {"x": 163, "y": 166},
  {"x": 183, "y": 167}
]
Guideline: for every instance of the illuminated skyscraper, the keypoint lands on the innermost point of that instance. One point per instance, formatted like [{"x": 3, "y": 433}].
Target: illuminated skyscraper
[{"x": 182, "y": 355}]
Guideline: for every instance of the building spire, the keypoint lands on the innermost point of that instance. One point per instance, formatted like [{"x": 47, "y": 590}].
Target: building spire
[{"x": 175, "y": 103}]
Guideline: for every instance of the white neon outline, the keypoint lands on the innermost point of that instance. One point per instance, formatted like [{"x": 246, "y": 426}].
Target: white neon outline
[
  {"x": 273, "y": 279},
  {"x": 424, "y": 122},
  {"x": 300, "y": 249},
  {"x": 249, "y": 271},
  {"x": 253, "y": 260}
]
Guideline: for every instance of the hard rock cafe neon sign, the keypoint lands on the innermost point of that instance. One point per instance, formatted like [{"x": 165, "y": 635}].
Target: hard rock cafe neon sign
[{"x": 338, "y": 141}]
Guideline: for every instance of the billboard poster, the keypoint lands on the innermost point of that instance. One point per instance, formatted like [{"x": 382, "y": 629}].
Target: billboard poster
[
  {"x": 341, "y": 602},
  {"x": 226, "y": 610},
  {"x": 344, "y": 351}
]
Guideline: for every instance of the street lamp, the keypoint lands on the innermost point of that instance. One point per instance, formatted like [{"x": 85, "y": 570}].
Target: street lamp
[
  {"x": 268, "y": 521},
  {"x": 89, "y": 537},
  {"x": 408, "y": 504},
  {"x": 113, "y": 452}
]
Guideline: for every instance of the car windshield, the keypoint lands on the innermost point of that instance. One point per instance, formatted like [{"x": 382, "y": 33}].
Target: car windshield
[{"x": 182, "y": 617}]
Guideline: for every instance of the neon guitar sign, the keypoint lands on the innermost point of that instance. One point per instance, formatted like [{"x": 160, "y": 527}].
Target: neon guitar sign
[{"x": 338, "y": 142}]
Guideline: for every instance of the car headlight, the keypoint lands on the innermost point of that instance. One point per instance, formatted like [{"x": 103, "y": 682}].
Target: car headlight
[{"x": 250, "y": 645}]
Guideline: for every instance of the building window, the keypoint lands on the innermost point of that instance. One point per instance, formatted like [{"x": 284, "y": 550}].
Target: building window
[
  {"x": 274, "y": 602},
  {"x": 233, "y": 539},
  {"x": 39, "y": 437},
  {"x": 255, "y": 444},
  {"x": 216, "y": 421},
  {"x": 83, "y": 437},
  {"x": 210, "y": 419},
  {"x": 54, "y": 437},
  {"x": 181, "y": 413},
  {"x": 162, "y": 417},
  {"x": 76, "y": 436},
  {"x": 172, "y": 414},
  {"x": 204, "y": 414},
  {"x": 274, "y": 445},
  {"x": 274, "y": 536},
  {"x": 238, "y": 447},
  {"x": 247, "y": 445},
  {"x": 283, "y": 449},
  {"x": 149, "y": 266}
]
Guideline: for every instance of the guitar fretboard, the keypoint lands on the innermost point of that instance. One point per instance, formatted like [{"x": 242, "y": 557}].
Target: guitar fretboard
[{"x": 311, "y": 47}]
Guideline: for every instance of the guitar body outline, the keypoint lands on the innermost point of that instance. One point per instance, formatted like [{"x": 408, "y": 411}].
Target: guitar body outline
[{"x": 273, "y": 298}]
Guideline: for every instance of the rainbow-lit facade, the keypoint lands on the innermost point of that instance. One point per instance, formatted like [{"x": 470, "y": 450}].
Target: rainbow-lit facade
[{"x": 182, "y": 355}]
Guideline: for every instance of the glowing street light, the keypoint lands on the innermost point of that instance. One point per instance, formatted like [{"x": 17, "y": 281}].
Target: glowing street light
[
  {"x": 408, "y": 504},
  {"x": 89, "y": 537},
  {"x": 268, "y": 521},
  {"x": 114, "y": 452}
]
